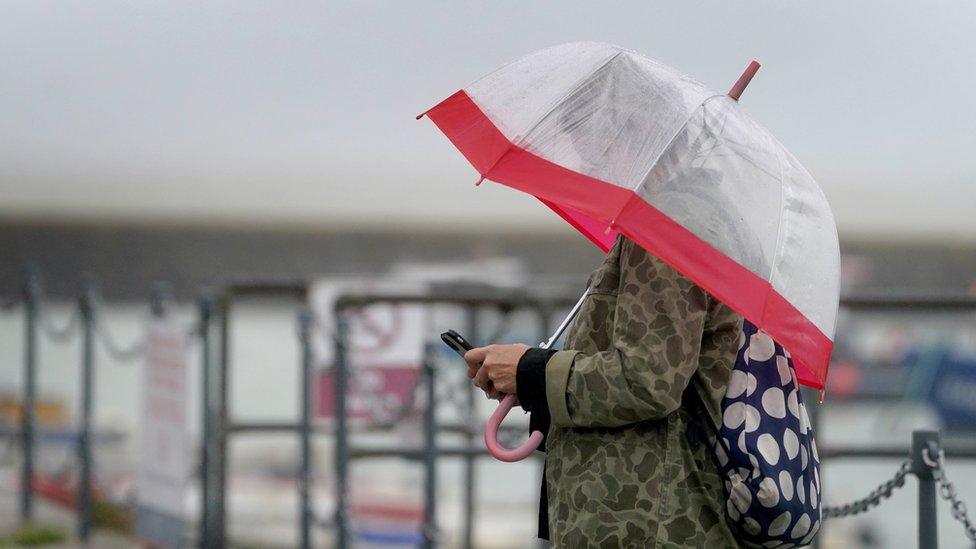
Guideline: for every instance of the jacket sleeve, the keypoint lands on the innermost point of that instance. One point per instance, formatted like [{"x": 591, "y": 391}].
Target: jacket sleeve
[{"x": 655, "y": 342}]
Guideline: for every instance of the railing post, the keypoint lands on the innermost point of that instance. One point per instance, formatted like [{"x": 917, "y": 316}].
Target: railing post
[
  {"x": 928, "y": 532},
  {"x": 87, "y": 309},
  {"x": 205, "y": 310},
  {"x": 32, "y": 292},
  {"x": 342, "y": 432},
  {"x": 429, "y": 529},
  {"x": 221, "y": 422},
  {"x": 159, "y": 297},
  {"x": 305, "y": 321}
]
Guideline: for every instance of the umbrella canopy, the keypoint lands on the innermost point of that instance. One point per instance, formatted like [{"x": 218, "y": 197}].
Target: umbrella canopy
[{"x": 617, "y": 142}]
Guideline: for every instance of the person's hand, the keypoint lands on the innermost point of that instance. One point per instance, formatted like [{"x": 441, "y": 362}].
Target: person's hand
[{"x": 493, "y": 368}]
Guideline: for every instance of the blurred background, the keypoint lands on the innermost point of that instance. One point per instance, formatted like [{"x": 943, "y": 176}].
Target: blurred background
[{"x": 226, "y": 143}]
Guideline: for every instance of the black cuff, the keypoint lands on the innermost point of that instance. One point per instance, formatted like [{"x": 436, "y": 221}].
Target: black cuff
[{"x": 530, "y": 379}]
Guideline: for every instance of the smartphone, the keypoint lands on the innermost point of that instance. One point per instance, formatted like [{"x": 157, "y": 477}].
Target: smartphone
[{"x": 457, "y": 342}]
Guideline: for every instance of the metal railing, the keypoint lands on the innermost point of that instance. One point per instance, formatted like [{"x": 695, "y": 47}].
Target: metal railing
[
  {"x": 926, "y": 461},
  {"x": 542, "y": 307},
  {"x": 218, "y": 426},
  {"x": 924, "y": 443},
  {"x": 83, "y": 318}
]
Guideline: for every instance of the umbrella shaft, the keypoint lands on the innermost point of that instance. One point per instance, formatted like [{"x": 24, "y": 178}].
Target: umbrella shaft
[{"x": 565, "y": 323}]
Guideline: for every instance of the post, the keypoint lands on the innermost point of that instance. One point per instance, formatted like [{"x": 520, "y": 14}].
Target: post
[
  {"x": 305, "y": 321},
  {"x": 159, "y": 296},
  {"x": 928, "y": 528},
  {"x": 470, "y": 439},
  {"x": 342, "y": 433},
  {"x": 205, "y": 309},
  {"x": 32, "y": 293},
  {"x": 220, "y": 423},
  {"x": 429, "y": 529},
  {"x": 87, "y": 309}
]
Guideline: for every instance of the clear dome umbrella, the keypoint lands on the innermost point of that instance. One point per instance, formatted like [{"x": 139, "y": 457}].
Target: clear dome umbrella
[{"x": 616, "y": 142}]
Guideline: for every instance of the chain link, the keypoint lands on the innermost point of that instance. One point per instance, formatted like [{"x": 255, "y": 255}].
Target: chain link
[
  {"x": 194, "y": 330},
  {"x": 59, "y": 334},
  {"x": 8, "y": 304},
  {"x": 947, "y": 490},
  {"x": 879, "y": 494},
  {"x": 64, "y": 333},
  {"x": 118, "y": 353}
]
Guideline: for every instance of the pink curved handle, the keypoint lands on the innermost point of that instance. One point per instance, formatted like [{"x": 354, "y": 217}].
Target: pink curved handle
[{"x": 495, "y": 448}]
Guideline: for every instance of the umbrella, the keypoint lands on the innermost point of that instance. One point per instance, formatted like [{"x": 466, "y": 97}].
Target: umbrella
[{"x": 616, "y": 142}]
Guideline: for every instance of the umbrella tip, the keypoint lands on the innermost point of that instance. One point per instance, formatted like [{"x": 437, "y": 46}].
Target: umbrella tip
[
  {"x": 423, "y": 114},
  {"x": 479, "y": 181},
  {"x": 743, "y": 81}
]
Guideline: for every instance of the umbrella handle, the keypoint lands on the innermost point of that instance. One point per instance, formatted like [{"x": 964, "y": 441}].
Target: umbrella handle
[{"x": 495, "y": 448}]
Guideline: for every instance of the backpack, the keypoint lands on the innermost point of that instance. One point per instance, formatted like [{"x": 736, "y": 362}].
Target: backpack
[{"x": 764, "y": 450}]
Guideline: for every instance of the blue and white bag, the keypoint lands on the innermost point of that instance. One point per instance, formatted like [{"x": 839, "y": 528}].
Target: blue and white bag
[{"x": 766, "y": 450}]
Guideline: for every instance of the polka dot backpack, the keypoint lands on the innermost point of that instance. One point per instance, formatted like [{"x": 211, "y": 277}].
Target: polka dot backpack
[{"x": 765, "y": 449}]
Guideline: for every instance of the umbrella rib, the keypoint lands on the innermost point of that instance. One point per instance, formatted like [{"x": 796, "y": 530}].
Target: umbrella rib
[
  {"x": 667, "y": 147},
  {"x": 780, "y": 233},
  {"x": 717, "y": 134},
  {"x": 519, "y": 140},
  {"x": 623, "y": 126},
  {"x": 640, "y": 182},
  {"x": 584, "y": 81}
]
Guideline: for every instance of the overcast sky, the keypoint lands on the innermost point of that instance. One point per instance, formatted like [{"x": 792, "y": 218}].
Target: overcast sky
[{"x": 285, "y": 113}]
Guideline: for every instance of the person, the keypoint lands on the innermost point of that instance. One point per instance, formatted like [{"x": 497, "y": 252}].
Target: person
[{"x": 623, "y": 465}]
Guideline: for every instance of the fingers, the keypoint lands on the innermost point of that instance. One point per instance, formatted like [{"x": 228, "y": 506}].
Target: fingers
[
  {"x": 486, "y": 370},
  {"x": 477, "y": 355},
  {"x": 493, "y": 373},
  {"x": 481, "y": 379},
  {"x": 474, "y": 358}
]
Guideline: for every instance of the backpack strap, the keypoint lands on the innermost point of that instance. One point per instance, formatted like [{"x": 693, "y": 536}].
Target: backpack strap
[{"x": 699, "y": 414}]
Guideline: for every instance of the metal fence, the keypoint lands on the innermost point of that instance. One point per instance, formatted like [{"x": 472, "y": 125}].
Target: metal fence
[{"x": 212, "y": 329}]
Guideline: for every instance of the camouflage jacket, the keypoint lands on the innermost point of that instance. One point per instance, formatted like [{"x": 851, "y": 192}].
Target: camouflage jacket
[{"x": 620, "y": 469}]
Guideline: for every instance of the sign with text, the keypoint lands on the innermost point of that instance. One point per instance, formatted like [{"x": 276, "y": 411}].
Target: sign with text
[{"x": 162, "y": 469}]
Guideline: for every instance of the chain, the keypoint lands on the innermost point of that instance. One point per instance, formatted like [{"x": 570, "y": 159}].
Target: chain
[
  {"x": 120, "y": 354},
  {"x": 194, "y": 330},
  {"x": 879, "y": 494},
  {"x": 65, "y": 333},
  {"x": 138, "y": 348},
  {"x": 948, "y": 492},
  {"x": 60, "y": 334},
  {"x": 8, "y": 304}
]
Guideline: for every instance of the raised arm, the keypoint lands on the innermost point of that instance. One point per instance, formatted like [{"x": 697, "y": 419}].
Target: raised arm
[{"x": 656, "y": 339}]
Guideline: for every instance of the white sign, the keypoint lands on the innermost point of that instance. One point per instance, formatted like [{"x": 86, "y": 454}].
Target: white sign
[
  {"x": 385, "y": 344},
  {"x": 162, "y": 468}
]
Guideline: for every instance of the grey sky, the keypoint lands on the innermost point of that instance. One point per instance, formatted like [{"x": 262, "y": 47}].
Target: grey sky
[{"x": 284, "y": 113}]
